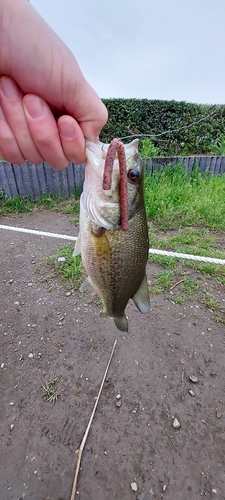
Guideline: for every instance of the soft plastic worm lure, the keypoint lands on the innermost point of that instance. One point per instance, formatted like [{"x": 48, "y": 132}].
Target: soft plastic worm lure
[{"x": 117, "y": 147}]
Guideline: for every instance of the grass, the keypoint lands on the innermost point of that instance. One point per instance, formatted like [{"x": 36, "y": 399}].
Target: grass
[
  {"x": 49, "y": 201},
  {"x": 175, "y": 198},
  {"x": 72, "y": 268},
  {"x": 48, "y": 393}
]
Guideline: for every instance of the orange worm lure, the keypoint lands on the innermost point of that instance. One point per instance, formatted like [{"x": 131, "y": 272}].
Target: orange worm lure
[{"x": 117, "y": 147}]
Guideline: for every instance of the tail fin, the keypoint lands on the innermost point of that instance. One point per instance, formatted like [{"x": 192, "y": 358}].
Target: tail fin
[{"x": 121, "y": 323}]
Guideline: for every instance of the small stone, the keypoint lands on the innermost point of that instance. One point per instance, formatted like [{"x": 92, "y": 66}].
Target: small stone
[
  {"x": 142, "y": 496},
  {"x": 11, "y": 427},
  {"x": 30, "y": 284},
  {"x": 192, "y": 393},
  {"x": 118, "y": 396},
  {"x": 214, "y": 490},
  {"x": 218, "y": 414},
  {"x": 176, "y": 424},
  {"x": 118, "y": 404},
  {"x": 133, "y": 486},
  {"x": 30, "y": 355},
  {"x": 164, "y": 487},
  {"x": 35, "y": 472},
  {"x": 68, "y": 294},
  {"x": 193, "y": 379},
  {"x": 105, "y": 452}
]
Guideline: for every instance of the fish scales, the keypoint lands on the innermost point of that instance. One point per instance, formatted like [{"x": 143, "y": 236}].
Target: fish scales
[{"x": 115, "y": 260}]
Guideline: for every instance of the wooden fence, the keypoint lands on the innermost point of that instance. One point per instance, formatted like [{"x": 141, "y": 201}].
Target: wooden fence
[{"x": 35, "y": 180}]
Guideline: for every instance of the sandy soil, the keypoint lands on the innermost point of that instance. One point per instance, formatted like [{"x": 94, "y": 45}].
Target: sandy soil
[{"x": 46, "y": 332}]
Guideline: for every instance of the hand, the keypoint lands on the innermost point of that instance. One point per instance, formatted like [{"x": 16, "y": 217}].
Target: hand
[{"x": 47, "y": 108}]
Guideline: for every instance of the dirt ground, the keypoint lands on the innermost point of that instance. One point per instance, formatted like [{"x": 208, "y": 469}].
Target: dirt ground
[{"x": 47, "y": 332}]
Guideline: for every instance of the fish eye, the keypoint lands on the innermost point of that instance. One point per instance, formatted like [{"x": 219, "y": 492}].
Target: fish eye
[{"x": 133, "y": 175}]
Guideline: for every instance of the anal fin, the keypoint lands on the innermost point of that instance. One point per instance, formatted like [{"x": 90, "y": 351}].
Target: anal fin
[
  {"x": 77, "y": 248},
  {"x": 141, "y": 297},
  {"x": 86, "y": 285}
]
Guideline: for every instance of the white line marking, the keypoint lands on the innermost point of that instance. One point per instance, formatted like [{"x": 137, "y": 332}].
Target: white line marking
[
  {"x": 151, "y": 250},
  {"x": 198, "y": 258},
  {"x": 39, "y": 233}
]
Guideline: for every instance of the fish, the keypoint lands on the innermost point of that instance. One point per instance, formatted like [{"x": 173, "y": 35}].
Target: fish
[{"x": 114, "y": 255}]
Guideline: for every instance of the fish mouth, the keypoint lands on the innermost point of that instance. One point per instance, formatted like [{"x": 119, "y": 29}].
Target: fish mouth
[{"x": 116, "y": 147}]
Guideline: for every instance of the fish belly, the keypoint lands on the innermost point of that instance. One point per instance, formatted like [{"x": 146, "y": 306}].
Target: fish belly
[{"x": 115, "y": 261}]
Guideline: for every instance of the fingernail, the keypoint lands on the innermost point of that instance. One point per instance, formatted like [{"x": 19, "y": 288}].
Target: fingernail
[
  {"x": 67, "y": 129},
  {"x": 9, "y": 88},
  {"x": 34, "y": 106}
]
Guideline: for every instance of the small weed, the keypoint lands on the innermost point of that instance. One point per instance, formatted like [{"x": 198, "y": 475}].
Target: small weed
[
  {"x": 164, "y": 280},
  {"x": 72, "y": 268},
  {"x": 47, "y": 391},
  {"x": 92, "y": 343},
  {"x": 76, "y": 390},
  {"x": 221, "y": 280},
  {"x": 180, "y": 300},
  {"x": 60, "y": 344},
  {"x": 190, "y": 286},
  {"x": 218, "y": 146},
  {"x": 211, "y": 303},
  {"x": 147, "y": 148},
  {"x": 219, "y": 319}
]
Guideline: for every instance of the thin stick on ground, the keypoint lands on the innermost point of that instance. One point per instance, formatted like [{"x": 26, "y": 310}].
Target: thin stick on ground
[
  {"x": 80, "y": 451},
  {"x": 176, "y": 284},
  {"x": 182, "y": 386}
]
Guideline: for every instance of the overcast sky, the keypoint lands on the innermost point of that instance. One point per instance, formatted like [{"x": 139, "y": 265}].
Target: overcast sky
[{"x": 154, "y": 49}]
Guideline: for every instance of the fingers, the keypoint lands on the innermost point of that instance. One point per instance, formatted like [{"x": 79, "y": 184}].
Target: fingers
[
  {"x": 29, "y": 131},
  {"x": 72, "y": 139},
  {"x": 12, "y": 106},
  {"x": 9, "y": 149},
  {"x": 43, "y": 130}
]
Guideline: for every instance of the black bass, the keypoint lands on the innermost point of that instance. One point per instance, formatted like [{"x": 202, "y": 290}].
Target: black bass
[{"x": 114, "y": 259}]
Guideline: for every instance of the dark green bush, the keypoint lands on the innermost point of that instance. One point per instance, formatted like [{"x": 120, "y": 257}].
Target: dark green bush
[{"x": 143, "y": 116}]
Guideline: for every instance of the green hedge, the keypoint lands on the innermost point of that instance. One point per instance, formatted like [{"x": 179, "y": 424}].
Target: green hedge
[{"x": 136, "y": 116}]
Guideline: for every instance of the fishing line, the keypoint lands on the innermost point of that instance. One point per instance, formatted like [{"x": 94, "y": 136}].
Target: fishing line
[{"x": 173, "y": 130}]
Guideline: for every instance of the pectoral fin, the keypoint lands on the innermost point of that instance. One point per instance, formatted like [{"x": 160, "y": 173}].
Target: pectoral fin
[
  {"x": 141, "y": 297},
  {"x": 77, "y": 248}
]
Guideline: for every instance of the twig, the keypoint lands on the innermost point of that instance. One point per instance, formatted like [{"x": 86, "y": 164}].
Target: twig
[
  {"x": 167, "y": 433},
  {"x": 173, "y": 286},
  {"x": 89, "y": 426},
  {"x": 182, "y": 386}
]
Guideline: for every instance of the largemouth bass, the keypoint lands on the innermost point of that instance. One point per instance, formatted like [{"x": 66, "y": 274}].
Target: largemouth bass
[{"x": 114, "y": 259}]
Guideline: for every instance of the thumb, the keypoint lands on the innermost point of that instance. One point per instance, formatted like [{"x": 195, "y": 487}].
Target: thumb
[{"x": 87, "y": 108}]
